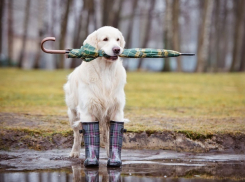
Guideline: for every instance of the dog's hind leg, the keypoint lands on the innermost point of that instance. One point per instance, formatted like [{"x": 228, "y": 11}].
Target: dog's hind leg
[{"x": 75, "y": 152}]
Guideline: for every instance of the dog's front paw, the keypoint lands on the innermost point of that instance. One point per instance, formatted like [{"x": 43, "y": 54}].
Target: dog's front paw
[{"x": 74, "y": 154}]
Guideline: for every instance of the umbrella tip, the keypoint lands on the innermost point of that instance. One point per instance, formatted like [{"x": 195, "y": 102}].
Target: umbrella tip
[{"x": 187, "y": 54}]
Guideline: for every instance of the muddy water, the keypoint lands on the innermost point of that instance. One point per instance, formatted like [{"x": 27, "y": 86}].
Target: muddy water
[
  {"x": 138, "y": 166},
  {"x": 126, "y": 173}
]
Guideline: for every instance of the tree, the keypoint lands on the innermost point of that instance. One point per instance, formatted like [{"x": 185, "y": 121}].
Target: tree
[
  {"x": 25, "y": 28},
  {"x": 211, "y": 61},
  {"x": 10, "y": 30},
  {"x": 167, "y": 34},
  {"x": 41, "y": 31},
  {"x": 63, "y": 30},
  {"x": 77, "y": 39},
  {"x": 222, "y": 39},
  {"x": 89, "y": 6},
  {"x": 147, "y": 29},
  {"x": 204, "y": 33},
  {"x": 242, "y": 61},
  {"x": 1, "y": 22},
  {"x": 130, "y": 27},
  {"x": 117, "y": 13},
  {"x": 87, "y": 12},
  {"x": 131, "y": 23},
  {"x": 106, "y": 16},
  {"x": 176, "y": 31},
  {"x": 239, "y": 11}
]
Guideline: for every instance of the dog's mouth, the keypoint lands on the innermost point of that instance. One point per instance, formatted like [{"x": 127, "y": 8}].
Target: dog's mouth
[{"x": 113, "y": 58}]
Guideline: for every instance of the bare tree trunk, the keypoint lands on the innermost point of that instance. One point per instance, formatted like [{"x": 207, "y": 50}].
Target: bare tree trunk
[
  {"x": 26, "y": 21},
  {"x": 242, "y": 61},
  {"x": 131, "y": 23},
  {"x": 89, "y": 8},
  {"x": 107, "y": 12},
  {"x": 239, "y": 9},
  {"x": 41, "y": 5},
  {"x": 52, "y": 32},
  {"x": 86, "y": 14},
  {"x": 217, "y": 32},
  {"x": 130, "y": 27},
  {"x": 147, "y": 28},
  {"x": 92, "y": 13},
  {"x": 63, "y": 30},
  {"x": 78, "y": 27},
  {"x": 54, "y": 4},
  {"x": 242, "y": 57},
  {"x": 77, "y": 39},
  {"x": 176, "y": 32},
  {"x": 210, "y": 61},
  {"x": 222, "y": 39},
  {"x": 10, "y": 30},
  {"x": 202, "y": 52},
  {"x": 116, "y": 17},
  {"x": 167, "y": 34},
  {"x": 95, "y": 15},
  {"x": 1, "y": 23}
]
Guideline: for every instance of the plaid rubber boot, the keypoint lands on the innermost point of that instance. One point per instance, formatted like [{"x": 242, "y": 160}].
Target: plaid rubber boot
[
  {"x": 116, "y": 138},
  {"x": 92, "y": 143}
]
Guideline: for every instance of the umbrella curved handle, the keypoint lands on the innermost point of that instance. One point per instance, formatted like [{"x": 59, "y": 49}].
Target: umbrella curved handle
[{"x": 51, "y": 51}]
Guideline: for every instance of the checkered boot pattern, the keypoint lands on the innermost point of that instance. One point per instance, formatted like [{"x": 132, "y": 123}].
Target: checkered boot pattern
[
  {"x": 116, "y": 138},
  {"x": 92, "y": 143}
]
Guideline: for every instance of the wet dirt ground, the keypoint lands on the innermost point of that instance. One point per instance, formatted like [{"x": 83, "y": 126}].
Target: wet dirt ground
[{"x": 138, "y": 165}]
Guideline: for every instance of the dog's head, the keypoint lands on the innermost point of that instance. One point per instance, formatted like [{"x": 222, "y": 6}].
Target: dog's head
[{"x": 108, "y": 39}]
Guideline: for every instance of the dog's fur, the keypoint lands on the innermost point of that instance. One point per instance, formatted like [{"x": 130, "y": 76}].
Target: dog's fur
[{"x": 95, "y": 90}]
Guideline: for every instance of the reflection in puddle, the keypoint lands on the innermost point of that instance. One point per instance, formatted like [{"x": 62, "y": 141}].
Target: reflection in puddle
[
  {"x": 92, "y": 174},
  {"x": 114, "y": 175},
  {"x": 63, "y": 175},
  {"x": 130, "y": 172}
]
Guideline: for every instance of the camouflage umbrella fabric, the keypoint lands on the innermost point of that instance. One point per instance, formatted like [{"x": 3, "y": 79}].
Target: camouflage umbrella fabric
[
  {"x": 148, "y": 53},
  {"x": 88, "y": 53}
]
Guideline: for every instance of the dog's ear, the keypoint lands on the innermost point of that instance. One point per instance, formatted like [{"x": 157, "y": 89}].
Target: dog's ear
[
  {"x": 122, "y": 41},
  {"x": 92, "y": 40}
]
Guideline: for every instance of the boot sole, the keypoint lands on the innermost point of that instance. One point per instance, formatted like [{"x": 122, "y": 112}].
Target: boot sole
[
  {"x": 91, "y": 165},
  {"x": 114, "y": 165}
]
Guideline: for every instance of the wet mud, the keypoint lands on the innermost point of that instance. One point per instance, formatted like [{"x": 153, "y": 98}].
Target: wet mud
[
  {"x": 14, "y": 139},
  {"x": 180, "y": 141}
]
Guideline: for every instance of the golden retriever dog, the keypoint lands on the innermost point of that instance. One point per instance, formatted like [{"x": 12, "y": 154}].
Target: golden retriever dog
[{"x": 95, "y": 90}]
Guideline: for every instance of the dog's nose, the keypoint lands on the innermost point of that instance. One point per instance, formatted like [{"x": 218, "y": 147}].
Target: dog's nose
[{"x": 116, "y": 50}]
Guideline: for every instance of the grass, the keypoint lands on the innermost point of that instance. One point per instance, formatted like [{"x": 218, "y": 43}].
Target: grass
[{"x": 181, "y": 102}]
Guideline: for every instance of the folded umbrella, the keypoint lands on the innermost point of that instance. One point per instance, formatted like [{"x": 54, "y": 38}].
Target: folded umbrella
[{"x": 89, "y": 53}]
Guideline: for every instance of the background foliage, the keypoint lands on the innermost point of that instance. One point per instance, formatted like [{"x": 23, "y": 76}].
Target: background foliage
[{"x": 213, "y": 29}]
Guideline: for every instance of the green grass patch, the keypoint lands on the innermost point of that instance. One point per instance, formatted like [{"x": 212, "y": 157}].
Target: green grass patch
[{"x": 202, "y": 104}]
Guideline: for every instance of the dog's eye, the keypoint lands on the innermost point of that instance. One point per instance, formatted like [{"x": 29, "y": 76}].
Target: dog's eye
[
  {"x": 117, "y": 39},
  {"x": 105, "y": 39}
]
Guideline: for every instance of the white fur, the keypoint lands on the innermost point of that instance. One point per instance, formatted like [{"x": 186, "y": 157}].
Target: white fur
[{"x": 95, "y": 90}]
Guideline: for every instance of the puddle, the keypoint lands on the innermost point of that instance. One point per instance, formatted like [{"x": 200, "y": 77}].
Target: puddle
[
  {"x": 141, "y": 173},
  {"x": 138, "y": 166}
]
